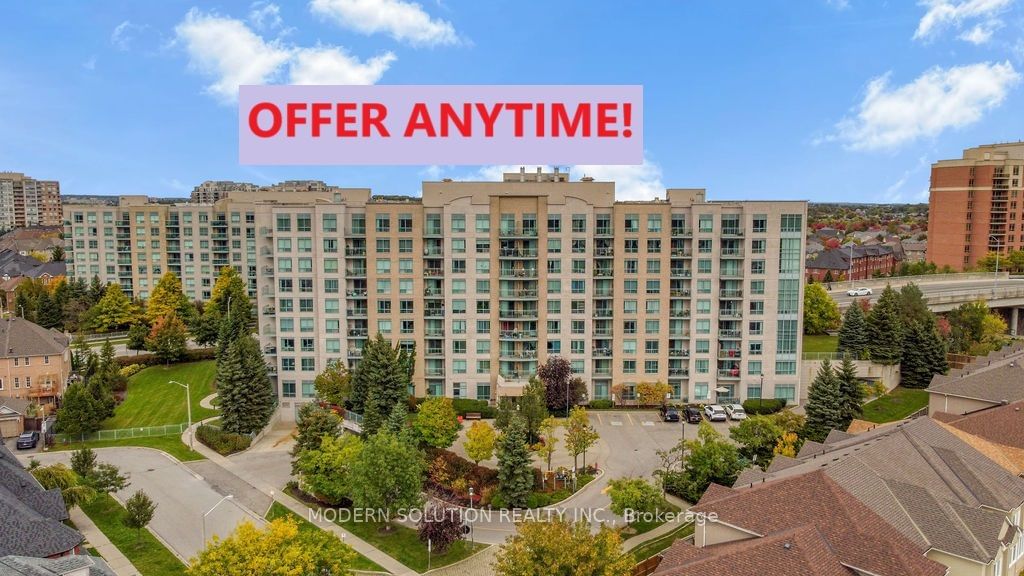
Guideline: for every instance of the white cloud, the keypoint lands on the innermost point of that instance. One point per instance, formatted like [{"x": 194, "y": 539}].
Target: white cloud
[
  {"x": 124, "y": 33},
  {"x": 838, "y": 4},
  {"x": 980, "y": 33},
  {"x": 228, "y": 51},
  {"x": 332, "y": 65},
  {"x": 403, "y": 21},
  {"x": 941, "y": 14},
  {"x": 90, "y": 64},
  {"x": 265, "y": 15},
  {"x": 889, "y": 117},
  {"x": 632, "y": 182}
]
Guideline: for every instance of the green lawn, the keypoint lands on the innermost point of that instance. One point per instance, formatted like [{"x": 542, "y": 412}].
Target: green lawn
[
  {"x": 153, "y": 401},
  {"x": 143, "y": 550},
  {"x": 170, "y": 444},
  {"x": 661, "y": 543},
  {"x": 895, "y": 405},
  {"x": 646, "y": 526},
  {"x": 278, "y": 510},
  {"x": 821, "y": 343}
]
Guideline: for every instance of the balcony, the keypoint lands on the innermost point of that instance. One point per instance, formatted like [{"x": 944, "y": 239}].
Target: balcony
[
  {"x": 434, "y": 333},
  {"x": 679, "y": 273},
  {"x": 518, "y": 335},
  {"x": 606, "y": 293},
  {"x": 433, "y": 352},
  {"x": 603, "y": 231},
  {"x": 679, "y": 334},
  {"x": 679, "y": 313},
  {"x": 730, "y": 293},
  {"x": 518, "y": 233},
  {"x": 433, "y": 251},
  {"x": 730, "y": 231},
  {"x": 433, "y": 272},
  {"x": 679, "y": 353},
  {"x": 731, "y": 273},
  {"x": 353, "y": 252},
  {"x": 270, "y": 350},
  {"x": 602, "y": 332},
  {"x": 355, "y": 272},
  {"x": 730, "y": 334},
  {"x": 604, "y": 252},
  {"x": 434, "y": 372},
  {"x": 432, "y": 293},
  {"x": 355, "y": 353},
  {"x": 268, "y": 270},
  {"x": 518, "y": 314},
  {"x": 729, "y": 353},
  {"x": 602, "y": 352},
  {"x": 682, "y": 232},
  {"x": 355, "y": 294},
  {"x": 681, "y": 253},
  {"x": 730, "y": 313},
  {"x": 731, "y": 252},
  {"x": 269, "y": 310},
  {"x": 523, "y": 273},
  {"x": 678, "y": 372},
  {"x": 433, "y": 231},
  {"x": 434, "y": 313},
  {"x": 603, "y": 313},
  {"x": 509, "y": 355},
  {"x": 679, "y": 293},
  {"x": 525, "y": 293},
  {"x": 512, "y": 253},
  {"x": 356, "y": 312},
  {"x": 603, "y": 272},
  {"x": 358, "y": 333},
  {"x": 730, "y": 374}
]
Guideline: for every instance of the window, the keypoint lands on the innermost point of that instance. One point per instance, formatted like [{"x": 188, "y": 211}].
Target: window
[
  {"x": 650, "y": 366},
  {"x": 702, "y": 366},
  {"x": 405, "y": 222},
  {"x": 303, "y": 223},
  {"x": 704, "y": 266},
  {"x": 787, "y": 393},
  {"x": 785, "y": 367},
  {"x": 760, "y": 223},
  {"x": 554, "y": 223},
  {"x": 579, "y": 223},
  {"x": 700, "y": 391},
  {"x": 458, "y": 223},
  {"x": 754, "y": 368},
  {"x": 629, "y": 347},
  {"x": 284, "y": 223},
  {"x": 757, "y": 266},
  {"x": 792, "y": 223},
  {"x": 483, "y": 223},
  {"x": 554, "y": 245},
  {"x": 632, "y": 223},
  {"x": 330, "y": 222},
  {"x": 704, "y": 246},
  {"x": 629, "y": 366},
  {"x": 383, "y": 245},
  {"x": 705, "y": 223},
  {"x": 654, "y": 222}
]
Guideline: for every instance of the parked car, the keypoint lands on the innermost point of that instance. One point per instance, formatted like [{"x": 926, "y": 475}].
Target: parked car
[
  {"x": 692, "y": 414},
  {"x": 859, "y": 292},
  {"x": 669, "y": 414},
  {"x": 735, "y": 412},
  {"x": 715, "y": 413},
  {"x": 28, "y": 440}
]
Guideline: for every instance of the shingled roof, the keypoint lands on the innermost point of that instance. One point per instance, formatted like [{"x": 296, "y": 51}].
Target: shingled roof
[
  {"x": 815, "y": 503},
  {"x": 19, "y": 337},
  {"x": 31, "y": 518},
  {"x": 65, "y": 566},
  {"x": 996, "y": 378}
]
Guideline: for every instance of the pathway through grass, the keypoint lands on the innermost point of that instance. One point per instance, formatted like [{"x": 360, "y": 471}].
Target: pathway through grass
[{"x": 153, "y": 400}]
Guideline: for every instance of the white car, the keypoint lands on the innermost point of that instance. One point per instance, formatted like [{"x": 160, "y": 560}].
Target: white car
[
  {"x": 735, "y": 412},
  {"x": 715, "y": 413},
  {"x": 859, "y": 292}
]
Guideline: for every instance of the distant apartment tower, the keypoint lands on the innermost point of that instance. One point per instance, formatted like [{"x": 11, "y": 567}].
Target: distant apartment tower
[
  {"x": 975, "y": 206},
  {"x": 213, "y": 190},
  {"x": 486, "y": 280},
  {"x": 25, "y": 201}
]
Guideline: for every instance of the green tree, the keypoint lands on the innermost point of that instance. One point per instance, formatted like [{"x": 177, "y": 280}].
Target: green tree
[
  {"x": 326, "y": 471},
  {"x": 168, "y": 339},
  {"x": 885, "y": 331},
  {"x": 50, "y": 314},
  {"x": 380, "y": 381},
  {"x": 633, "y": 495},
  {"x": 913, "y": 307},
  {"x": 139, "y": 510},
  {"x": 79, "y": 413},
  {"x": 279, "y": 549},
  {"x": 334, "y": 384},
  {"x": 388, "y": 474},
  {"x": 924, "y": 356},
  {"x": 824, "y": 408},
  {"x": 436, "y": 423},
  {"x": 25, "y": 302},
  {"x": 60, "y": 477},
  {"x": 106, "y": 478},
  {"x": 137, "y": 336},
  {"x": 57, "y": 253},
  {"x": 542, "y": 548},
  {"x": 314, "y": 424},
  {"x": 114, "y": 311},
  {"x": 479, "y": 442},
  {"x": 821, "y": 313},
  {"x": 515, "y": 473},
  {"x": 851, "y": 393},
  {"x": 853, "y": 337},
  {"x": 757, "y": 436},
  {"x": 533, "y": 407},
  {"x": 83, "y": 461},
  {"x": 168, "y": 298},
  {"x": 579, "y": 434},
  {"x": 229, "y": 292},
  {"x": 709, "y": 458},
  {"x": 398, "y": 423},
  {"x": 547, "y": 430},
  {"x": 246, "y": 397}
]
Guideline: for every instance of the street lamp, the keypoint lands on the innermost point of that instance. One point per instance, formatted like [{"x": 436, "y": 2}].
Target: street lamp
[
  {"x": 470, "y": 497},
  {"x": 188, "y": 407},
  {"x": 210, "y": 511},
  {"x": 995, "y": 277}
]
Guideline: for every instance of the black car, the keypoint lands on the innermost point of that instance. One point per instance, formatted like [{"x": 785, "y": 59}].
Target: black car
[
  {"x": 692, "y": 415},
  {"x": 28, "y": 440},
  {"x": 669, "y": 414}
]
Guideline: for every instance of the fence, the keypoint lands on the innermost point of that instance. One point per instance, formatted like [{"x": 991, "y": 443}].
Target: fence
[
  {"x": 104, "y": 336},
  {"x": 827, "y": 356},
  {"x": 122, "y": 433},
  {"x": 647, "y": 566}
]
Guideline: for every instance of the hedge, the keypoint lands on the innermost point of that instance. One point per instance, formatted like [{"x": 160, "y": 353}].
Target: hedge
[
  {"x": 224, "y": 443},
  {"x": 600, "y": 404},
  {"x": 763, "y": 406},
  {"x": 465, "y": 406},
  {"x": 151, "y": 359}
]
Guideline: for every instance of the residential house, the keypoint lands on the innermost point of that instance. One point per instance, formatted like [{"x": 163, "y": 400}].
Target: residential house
[
  {"x": 953, "y": 502},
  {"x": 997, "y": 432},
  {"x": 67, "y": 566},
  {"x": 31, "y": 518},
  {"x": 805, "y": 525},
  {"x": 986, "y": 382},
  {"x": 14, "y": 265},
  {"x": 12, "y": 416},
  {"x": 868, "y": 261},
  {"x": 35, "y": 363},
  {"x": 914, "y": 250}
]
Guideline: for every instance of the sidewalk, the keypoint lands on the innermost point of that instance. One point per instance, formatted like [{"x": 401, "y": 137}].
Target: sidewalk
[
  {"x": 357, "y": 544},
  {"x": 96, "y": 539},
  {"x": 660, "y": 530}
]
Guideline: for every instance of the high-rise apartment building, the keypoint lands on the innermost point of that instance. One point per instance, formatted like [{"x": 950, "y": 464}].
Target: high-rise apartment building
[
  {"x": 213, "y": 190},
  {"x": 975, "y": 205},
  {"x": 25, "y": 201},
  {"x": 486, "y": 280}
]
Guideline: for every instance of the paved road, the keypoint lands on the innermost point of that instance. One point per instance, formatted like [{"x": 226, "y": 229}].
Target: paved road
[
  {"x": 983, "y": 288},
  {"x": 182, "y": 497}
]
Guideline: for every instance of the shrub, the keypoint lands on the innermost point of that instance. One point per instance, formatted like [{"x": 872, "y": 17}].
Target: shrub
[
  {"x": 764, "y": 406},
  {"x": 600, "y": 404},
  {"x": 451, "y": 475},
  {"x": 224, "y": 443},
  {"x": 131, "y": 370},
  {"x": 151, "y": 359},
  {"x": 465, "y": 406}
]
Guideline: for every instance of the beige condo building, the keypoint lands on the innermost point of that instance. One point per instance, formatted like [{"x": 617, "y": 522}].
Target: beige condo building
[
  {"x": 25, "y": 201},
  {"x": 486, "y": 280}
]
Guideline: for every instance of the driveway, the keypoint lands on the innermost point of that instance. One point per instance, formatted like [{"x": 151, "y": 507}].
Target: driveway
[{"x": 182, "y": 497}]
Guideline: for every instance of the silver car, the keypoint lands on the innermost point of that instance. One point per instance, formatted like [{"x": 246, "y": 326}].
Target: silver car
[
  {"x": 735, "y": 412},
  {"x": 715, "y": 413}
]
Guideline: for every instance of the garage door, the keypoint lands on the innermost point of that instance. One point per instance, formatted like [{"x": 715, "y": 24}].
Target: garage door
[{"x": 10, "y": 428}]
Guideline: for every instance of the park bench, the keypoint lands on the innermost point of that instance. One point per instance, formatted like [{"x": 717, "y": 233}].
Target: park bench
[{"x": 472, "y": 416}]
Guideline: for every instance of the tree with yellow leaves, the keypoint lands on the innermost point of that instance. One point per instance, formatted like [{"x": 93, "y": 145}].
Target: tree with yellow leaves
[
  {"x": 786, "y": 446},
  {"x": 543, "y": 548},
  {"x": 280, "y": 549}
]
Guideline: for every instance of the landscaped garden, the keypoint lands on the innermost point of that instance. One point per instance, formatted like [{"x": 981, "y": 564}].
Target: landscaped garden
[
  {"x": 278, "y": 510},
  {"x": 896, "y": 405},
  {"x": 661, "y": 543},
  {"x": 170, "y": 444},
  {"x": 143, "y": 549},
  {"x": 819, "y": 344},
  {"x": 152, "y": 400}
]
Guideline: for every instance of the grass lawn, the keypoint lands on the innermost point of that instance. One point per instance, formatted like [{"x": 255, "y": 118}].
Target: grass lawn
[
  {"x": 144, "y": 551},
  {"x": 153, "y": 401},
  {"x": 641, "y": 526},
  {"x": 170, "y": 444},
  {"x": 895, "y": 405},
  {"x": 661, "y": 543},
  {"x": 278, "y": 510},
  {"x": 821, "y": 343}
]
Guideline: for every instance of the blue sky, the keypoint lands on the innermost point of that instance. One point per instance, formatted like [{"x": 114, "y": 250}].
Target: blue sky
[{"x": 826, "y": 100}]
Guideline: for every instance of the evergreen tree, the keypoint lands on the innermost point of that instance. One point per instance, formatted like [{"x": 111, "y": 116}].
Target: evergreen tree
[
  {"x": 379, "y": 382},
  {"x": 61, "y": 294},
  {"x": 853, "y": 333},
  {"x": 913, "y": 307},
  {"x": 314, "y": 424},
  {"x": 884, "y": 329},
  {"x": 137, "y": 335},
  {"x": 824, "y": 408},
  {"x": 246, "y": 396},
  {"x": 79, "y": 412},
  {"x": 924, "y": 355},
  {"x": 851, "y": 393},
  {"x": 398, "y": 423},
  {"x": 96, "y": 291},
  {"x": 49, "y": 314},
  {"x": 515, "y": 471},
  {"x": 24, "y": 304}
]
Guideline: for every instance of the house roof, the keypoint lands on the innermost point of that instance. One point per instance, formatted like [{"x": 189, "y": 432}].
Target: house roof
[
  {"x": 996, "y": 378},
  {"x": 31, "y": 518},
  {"x": 19, "y": 405},
  {"x": 13, "y": 264},
  {"x": 64, "y": 566},
  {"x": 857, "y": 536},
  {"x": 839, "y": 258},
  {"x": 19, "y": 337},
  {"x": 1000, "y": 424},
  {"x": 803, "y": 551},
  {"x": 933, "y": 487}
]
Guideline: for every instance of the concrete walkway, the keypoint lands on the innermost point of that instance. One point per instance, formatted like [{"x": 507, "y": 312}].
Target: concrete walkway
[
  {"x": 660, "y": 530},
  {"x": 208, "y": 402},
  {"x": 96, "y": 539},
  {"x": 479, "y": 564},
  {"x": 256, "y": 484}
]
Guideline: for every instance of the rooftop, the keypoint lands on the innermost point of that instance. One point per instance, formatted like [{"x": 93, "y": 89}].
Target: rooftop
[
  {"x": 19, "y": 337},
  {"x": 31, "y": 519},
  {"x": 996, "y": 378}
]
